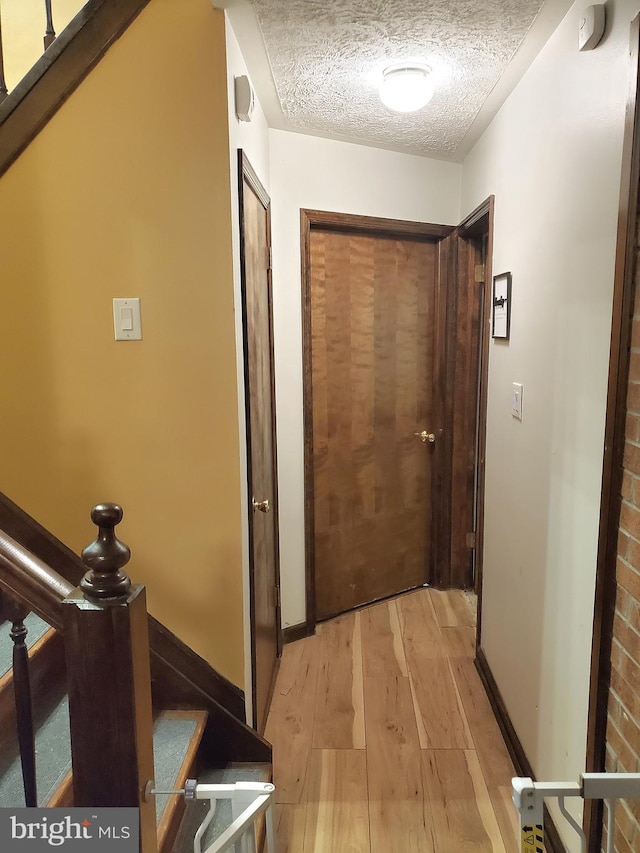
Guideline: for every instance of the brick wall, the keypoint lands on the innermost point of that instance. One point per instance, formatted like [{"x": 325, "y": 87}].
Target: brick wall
[{"x": 623, "y": 724}]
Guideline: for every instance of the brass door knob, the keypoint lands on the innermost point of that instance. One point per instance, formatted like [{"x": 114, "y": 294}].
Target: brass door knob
[
  {"x": 426, "y": 436},
  {"x": 261, "y": 506}
]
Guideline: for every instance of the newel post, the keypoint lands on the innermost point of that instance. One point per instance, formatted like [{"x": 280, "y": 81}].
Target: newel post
[{"x": 109, "y": 681}]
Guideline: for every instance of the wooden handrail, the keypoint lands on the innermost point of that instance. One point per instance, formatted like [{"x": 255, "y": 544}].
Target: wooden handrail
[{"x": 24, "y": 577}]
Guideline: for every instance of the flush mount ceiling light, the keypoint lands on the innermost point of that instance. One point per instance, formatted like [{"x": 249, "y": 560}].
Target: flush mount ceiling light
[{"x": 406, "y": 88}]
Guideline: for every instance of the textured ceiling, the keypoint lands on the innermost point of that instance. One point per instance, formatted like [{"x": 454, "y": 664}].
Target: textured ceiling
[{"x": 324, "y": 59}]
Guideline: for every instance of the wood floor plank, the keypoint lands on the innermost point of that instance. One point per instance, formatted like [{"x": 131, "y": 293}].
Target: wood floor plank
[
  {"x": 422, "y": 732},
  {"x": 507, "y": 817},
  {"x": 291, "y": 718},
  {"x": 472, "y": 606},
  {"x": 459, "y": 642},
  {"x": 421, "y": 635},
  {"x": 458, "y": 820},
  {"x": 290, "y": 821},
  {"x": 337, "y": 808},
  {"x": 440, "y": 709},
  {"x": 348, "y": 684},
  {"x": 485, "y": 803},
  {"x": 452, "y": 608},
  {"x": 357, "y": 688},
  {"x": 339, "y": 721},
  {"x": 383, "y": 652},
  {"x": 398, "y": 819},
  {"x": 494, "y": 759}
]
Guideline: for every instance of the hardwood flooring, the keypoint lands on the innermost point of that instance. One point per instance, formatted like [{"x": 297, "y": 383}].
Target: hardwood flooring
[{"x": 383, "y": 737}]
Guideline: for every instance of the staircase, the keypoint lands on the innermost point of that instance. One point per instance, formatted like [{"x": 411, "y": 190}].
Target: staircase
[
  {"x": 89, "y": 712},
  {"x": 96, "y": 697}
]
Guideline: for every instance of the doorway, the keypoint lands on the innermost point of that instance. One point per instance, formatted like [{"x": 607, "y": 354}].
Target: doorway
[
  {"x": 373, "y": 305},
  {"x": 395, "y": 345},
  {"x": 257, "y": 318}
]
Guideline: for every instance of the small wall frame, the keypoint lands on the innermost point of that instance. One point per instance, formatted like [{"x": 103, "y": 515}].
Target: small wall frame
[{"x": 501, "y": 306}]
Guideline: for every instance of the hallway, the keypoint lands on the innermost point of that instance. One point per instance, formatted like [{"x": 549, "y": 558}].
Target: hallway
[{"x": 384, "y": 739}]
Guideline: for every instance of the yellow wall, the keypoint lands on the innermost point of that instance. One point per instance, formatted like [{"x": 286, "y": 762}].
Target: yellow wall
[{"x": 126, "y": 193}]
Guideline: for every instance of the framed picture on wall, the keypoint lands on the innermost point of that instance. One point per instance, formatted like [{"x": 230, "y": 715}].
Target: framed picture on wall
[{"x": 501, "y": 306}]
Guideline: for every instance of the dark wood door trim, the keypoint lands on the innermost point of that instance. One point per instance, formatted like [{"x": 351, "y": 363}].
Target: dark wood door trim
[
  {"x": 475, "y": 224},
  {"x": 345, "y": 222},
  {"x": 248, "y": 174},
  {"x": 605, "y": 592},
  {"x": 472, "y": 229},
  {"x": 371, "y": 224},
  {"x": 443, "y": 404}
]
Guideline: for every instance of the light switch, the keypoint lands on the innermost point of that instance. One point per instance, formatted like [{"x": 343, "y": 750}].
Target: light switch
[
  {"x": 516, "y": 400},
  {"x": 126, "y": 315},
  {"x": 127, "y": 323}
]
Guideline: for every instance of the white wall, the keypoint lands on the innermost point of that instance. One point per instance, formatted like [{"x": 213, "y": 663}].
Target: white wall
[
  {"x": 253, "y": 138},
  {"x": 322, "y": 174},
  {"x": 552, "y": 157}
]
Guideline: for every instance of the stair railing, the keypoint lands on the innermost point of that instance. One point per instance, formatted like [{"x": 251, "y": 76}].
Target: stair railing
[
  {"x": 105, "y": 629},
  {"x": 48, "y": 40},
  {"x": 16, "y": 614},
  {"x": 49, "y": 33}
]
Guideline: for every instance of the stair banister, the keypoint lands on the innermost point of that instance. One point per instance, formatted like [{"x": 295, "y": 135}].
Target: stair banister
[
  {"x": 25, "y": 578},
  {"x": 16, "y": 614},
  {"x": 27, "y": 584},
  {"x": 109, "y": 681},
  {"x": 181, "y": 679}
]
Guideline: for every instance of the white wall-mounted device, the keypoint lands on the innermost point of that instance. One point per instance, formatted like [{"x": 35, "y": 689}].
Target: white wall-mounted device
[
  {"x": 591, "y": 27},
  {"x": 126, "y": 319},
  {"x": 245, "y": 99},
  {"x": 516, "y": 400}
]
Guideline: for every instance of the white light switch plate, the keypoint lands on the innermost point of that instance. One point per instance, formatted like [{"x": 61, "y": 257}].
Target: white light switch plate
[
  {"x": 127, "y": 323},
  {"x": 516, "y": 400}
]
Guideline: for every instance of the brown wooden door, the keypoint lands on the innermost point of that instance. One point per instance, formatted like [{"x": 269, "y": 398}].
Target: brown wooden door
[
  {"x": 372, "y": 311},
  {"x": 261, "y": 449}
]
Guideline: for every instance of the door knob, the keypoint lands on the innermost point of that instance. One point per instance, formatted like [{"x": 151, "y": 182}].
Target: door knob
[
  {"x": 262, "y": 506},
  {"x": 426, "y": 436}
]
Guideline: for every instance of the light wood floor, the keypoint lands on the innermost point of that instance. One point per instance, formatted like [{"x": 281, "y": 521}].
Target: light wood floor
[{"x": 383, "y": 737}]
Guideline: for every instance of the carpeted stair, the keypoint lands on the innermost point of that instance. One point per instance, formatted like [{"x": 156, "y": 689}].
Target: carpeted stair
[{"x": 176, "y": 738}]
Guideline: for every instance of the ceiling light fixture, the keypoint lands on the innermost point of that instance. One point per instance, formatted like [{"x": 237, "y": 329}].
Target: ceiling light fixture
[{"x": 406, "y": 88}]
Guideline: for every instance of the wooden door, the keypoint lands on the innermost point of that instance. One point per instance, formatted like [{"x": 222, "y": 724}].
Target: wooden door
[
  {"x": 261, "y": 447},
  {"x": 372, "y": 311}
]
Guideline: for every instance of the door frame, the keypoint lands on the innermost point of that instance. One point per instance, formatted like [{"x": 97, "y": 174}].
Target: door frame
[
  {"x": 310, "y": 219},
  {"x": 614, "y": 440},
  {"x": 474, "y": 227},
  {"x": 248, "y": 174}
]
